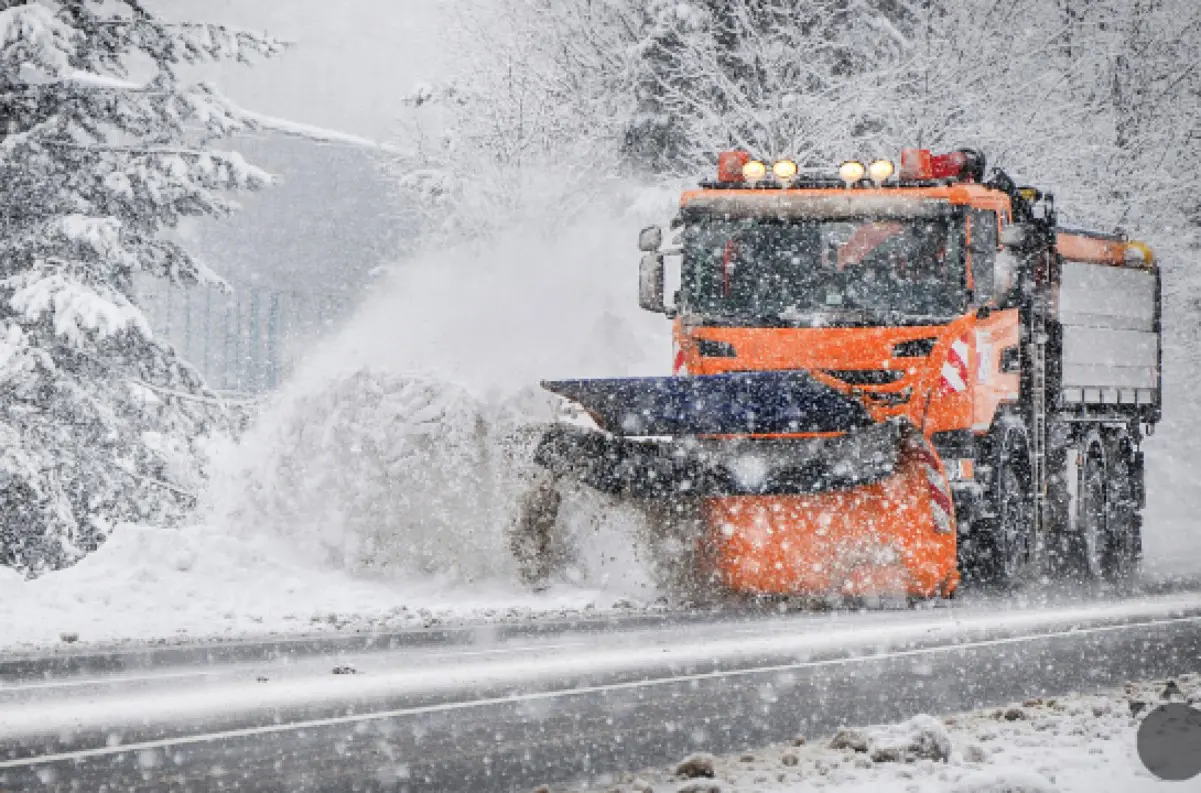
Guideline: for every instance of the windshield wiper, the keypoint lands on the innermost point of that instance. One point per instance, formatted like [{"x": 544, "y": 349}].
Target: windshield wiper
[{"x": 859, "y": 317}]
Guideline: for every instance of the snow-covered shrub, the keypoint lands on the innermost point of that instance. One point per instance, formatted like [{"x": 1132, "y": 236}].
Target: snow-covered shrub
[{"x": 99, "y": 422}]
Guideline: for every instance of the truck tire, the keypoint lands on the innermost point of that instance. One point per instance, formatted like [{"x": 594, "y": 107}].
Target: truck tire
[
  {"x": 1123, "y": 553},
  {"x": 1006, "y": 536},
  {"x": 1107, "y": 536},
  {"x": 1090, "y": 535}
]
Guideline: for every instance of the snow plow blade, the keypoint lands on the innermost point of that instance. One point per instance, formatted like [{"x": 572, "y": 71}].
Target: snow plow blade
[
  {"x": 893, "y": 538},
  {"x": 700, "y": 467},
  {"x": 794, "y": 489},
  {"x": 742, "y": 403}
]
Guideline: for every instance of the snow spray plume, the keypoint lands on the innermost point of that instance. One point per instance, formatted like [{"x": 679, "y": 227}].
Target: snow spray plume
[{"x": 403, "y": 442}]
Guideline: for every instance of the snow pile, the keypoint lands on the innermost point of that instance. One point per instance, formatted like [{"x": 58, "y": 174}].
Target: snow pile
[
  {"x": 1011, "y": 780},
  {"x": 1072, "y": 744},
  {"x": 920, "y": 738},
  {"x": 380, "y": 469}
]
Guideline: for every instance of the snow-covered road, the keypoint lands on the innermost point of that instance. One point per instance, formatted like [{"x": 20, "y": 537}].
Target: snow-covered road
[{"x": 510, "y": 711}]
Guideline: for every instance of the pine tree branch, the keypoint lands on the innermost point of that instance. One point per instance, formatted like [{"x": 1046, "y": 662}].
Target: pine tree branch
[
  {"x": 213, "y": 401},
  {"x": 138, "y": 150},
  {"x": 179, "y": 491}
]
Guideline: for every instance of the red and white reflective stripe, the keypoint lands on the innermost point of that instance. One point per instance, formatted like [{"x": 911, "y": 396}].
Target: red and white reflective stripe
[
  {"x": 955, "y": 369},
  {"x": 941, "y": 505},
  {"x": 942, "y": 519},
  {"x": 923, "y": 453},
  {"x": 677, "y": 362}
]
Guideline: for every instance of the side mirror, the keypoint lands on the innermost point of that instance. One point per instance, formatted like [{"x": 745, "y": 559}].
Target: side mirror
[
  {"x": 650, "y": 283},
  {"x": 650, "y": 239},
  {"x": 1014, "y": 235}
]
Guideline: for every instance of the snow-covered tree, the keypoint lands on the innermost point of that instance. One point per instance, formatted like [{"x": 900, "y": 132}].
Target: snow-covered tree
[
  {"x": 582, "y": 90},
  {"x": 1092, "y": 100},
  {"x": 103, "y": 149}
]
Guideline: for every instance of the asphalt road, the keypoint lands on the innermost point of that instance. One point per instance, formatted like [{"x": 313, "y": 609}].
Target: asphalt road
[{"x": 508, "y": 708}]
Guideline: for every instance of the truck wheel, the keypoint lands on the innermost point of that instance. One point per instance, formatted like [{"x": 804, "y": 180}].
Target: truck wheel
[
  {"x": 1091, "y": 535},
  {"x": 1011, "y": 544},
  {"x": 1123, "y": 551}
]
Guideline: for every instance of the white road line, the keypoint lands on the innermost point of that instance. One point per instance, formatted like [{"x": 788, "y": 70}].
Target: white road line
[
  {"x": 104, "y": 681},
  {"x": 101, "y": 681},
  {"x": 506, "y": 650},
  {"x": 572, "y": 692}
]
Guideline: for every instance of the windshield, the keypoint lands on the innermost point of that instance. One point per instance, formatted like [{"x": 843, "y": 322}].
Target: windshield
[{"x": 792, "y": 270}]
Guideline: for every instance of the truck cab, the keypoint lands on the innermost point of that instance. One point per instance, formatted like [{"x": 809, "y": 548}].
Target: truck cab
[{"x": 896, "y": 288}]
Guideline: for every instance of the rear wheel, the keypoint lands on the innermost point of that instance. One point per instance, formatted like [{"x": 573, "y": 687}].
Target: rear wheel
[
  {"x": 1123, "y": 550},
  {"x": 1108, "y": 530},
  {"x": 1092, "y": 533}
]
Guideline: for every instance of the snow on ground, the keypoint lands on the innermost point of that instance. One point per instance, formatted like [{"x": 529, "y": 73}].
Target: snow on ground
[
  {"x": 1080, "y": 743},
  {"x": 149, "y": 584}
]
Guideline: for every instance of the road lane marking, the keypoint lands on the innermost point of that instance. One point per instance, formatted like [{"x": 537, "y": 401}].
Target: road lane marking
[
  {"x": 100, "y": 681},
  {"x": 571, "y": 692},
  {"x": 505, "y": 650}
]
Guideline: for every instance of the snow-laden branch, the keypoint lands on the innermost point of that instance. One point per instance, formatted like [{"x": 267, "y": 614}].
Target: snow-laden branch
[
  {"x": 169, "y": 392},
  {"x": 259, "y": 121},
  {"x": 314, "y": 133},
  {"x": 102, "y": 81}
]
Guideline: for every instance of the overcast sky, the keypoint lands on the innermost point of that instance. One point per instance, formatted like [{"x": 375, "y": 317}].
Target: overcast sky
[{"x": 353, "y": 59}]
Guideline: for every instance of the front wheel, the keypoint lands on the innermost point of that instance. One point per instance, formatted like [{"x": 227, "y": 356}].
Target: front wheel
[{"x": 1007, "y": 533}]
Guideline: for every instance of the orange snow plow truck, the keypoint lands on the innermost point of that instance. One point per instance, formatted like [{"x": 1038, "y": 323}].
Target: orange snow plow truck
[{"x": 884, "y": 382}]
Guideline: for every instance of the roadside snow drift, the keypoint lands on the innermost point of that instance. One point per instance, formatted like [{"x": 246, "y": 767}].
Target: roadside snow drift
[{"x": 1078, "y": 743}]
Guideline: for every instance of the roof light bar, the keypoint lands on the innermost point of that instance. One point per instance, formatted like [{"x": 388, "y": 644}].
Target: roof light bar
[
  {"x": 754, "y": 171},
  {"x": 785, "y": 170},
  {"x": 881, "y": 170},
  {"x": 965, "y": 164},
  {"x": 852, "y": 172}
]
